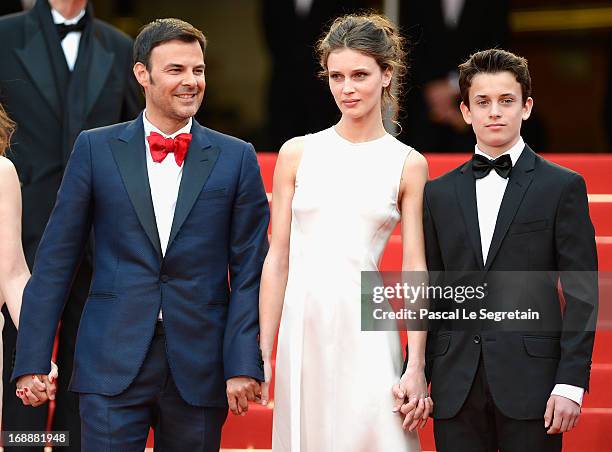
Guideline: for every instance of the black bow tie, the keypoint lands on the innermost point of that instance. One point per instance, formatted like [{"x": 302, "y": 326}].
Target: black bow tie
[
  {"x": 481, "y": 166},
  {"x": 63, "y": 29}
]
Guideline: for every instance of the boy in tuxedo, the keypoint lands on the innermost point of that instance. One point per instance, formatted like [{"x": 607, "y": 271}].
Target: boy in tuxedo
[{"x": 508, "y": 209}]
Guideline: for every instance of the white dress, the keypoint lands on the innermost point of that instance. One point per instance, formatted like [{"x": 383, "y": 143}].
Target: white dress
[{"x": 333, "y": 381}]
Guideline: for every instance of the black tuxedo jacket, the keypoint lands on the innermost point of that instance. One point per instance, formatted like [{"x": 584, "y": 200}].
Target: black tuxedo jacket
[
  {"x": 51, "y": 105},
  {"x": 543, "y": 225}
]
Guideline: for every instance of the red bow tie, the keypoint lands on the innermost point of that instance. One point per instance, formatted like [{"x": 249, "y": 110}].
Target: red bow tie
[{"x": 160, "y": 147}]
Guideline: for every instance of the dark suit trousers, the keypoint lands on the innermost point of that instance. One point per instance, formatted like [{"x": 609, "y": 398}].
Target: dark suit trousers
[
  {"x": 481, "y": 427},
  {"x": 112, "y": 423}
]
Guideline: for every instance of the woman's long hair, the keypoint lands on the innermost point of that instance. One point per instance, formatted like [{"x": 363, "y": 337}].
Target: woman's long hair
[{"x": 7, "y": 127}]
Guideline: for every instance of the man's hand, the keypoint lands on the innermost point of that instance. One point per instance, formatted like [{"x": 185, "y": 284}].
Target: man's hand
[
  {"x": 241, "y": 390},
  {"x": 412, "y": 399},
  {"x": 441, "y": 99},
  {"x": 562, "y": 415},
  {"x": 35, "y": 390}
]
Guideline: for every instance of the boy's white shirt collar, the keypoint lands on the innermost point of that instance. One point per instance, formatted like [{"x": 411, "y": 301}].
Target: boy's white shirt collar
[{"x": 514, "y": 152}]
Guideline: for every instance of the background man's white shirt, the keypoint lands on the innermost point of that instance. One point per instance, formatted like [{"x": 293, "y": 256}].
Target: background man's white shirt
[{"x": 70, "y": 44}]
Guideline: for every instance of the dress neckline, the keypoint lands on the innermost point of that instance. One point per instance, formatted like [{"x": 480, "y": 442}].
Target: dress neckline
[{"x": 360, "y": 143}]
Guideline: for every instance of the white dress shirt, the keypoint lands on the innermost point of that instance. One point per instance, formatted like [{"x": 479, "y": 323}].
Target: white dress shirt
[
  {"x": 164, "y": 180},
  {"x": 70, "y": 44},
  {"x": 489, "y": 194},
  {"x": 27, "y": 4},
  {"x": 302, "y": 7},
  {"x": 451, "y": 10}
]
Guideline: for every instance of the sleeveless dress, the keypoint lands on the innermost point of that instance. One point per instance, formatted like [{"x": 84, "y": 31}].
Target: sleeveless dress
[{"x": 333, "y": 381}]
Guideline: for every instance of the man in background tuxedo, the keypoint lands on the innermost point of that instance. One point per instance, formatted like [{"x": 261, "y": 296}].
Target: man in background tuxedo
[
  {"x": 509, "y": 210},
  {"x": 443, "y": 34},
  {"x": 55, "y": 81},
  {"x": 298, "y": 101}
]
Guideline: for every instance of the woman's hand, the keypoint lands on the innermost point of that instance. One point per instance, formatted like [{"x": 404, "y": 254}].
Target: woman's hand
[
  {"x": 51, "y": 381},
  {"x": 412, "y": 398},
  {"x": 265, "y": 386},
  {"x": 36, "y": 390}
]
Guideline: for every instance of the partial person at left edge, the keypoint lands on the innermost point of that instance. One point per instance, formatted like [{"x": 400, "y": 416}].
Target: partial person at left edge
[
  {"x": 55, "y": 82},
  {"x": 14, "y": 273}
]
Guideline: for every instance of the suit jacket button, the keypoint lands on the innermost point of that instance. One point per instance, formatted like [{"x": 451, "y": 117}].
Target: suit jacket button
[
  {"x": 477, "y": 339},
  {"x": 164, "y": 278}
]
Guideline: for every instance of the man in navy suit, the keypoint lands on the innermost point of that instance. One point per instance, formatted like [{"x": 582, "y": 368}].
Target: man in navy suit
[{"x": 165, "y": 339}]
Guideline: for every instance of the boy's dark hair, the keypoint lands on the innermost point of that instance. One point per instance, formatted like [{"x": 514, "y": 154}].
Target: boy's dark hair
[
  {"x": 492, "y": 61},
  {"x": 163, "y": 30}
]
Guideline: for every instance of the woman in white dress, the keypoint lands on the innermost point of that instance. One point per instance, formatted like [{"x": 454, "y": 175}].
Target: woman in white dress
[
  {"x": 14, "y": 273},
  {"x": 337, "y": 196}
]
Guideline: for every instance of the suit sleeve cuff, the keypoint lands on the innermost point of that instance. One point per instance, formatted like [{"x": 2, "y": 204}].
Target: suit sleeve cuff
[
  {"x": 574, "y": 393},
  {"x": 251, "y": 372}
]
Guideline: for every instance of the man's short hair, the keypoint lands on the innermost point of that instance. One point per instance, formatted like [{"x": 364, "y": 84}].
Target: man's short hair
[
  {"x": 163, "y": 30},
  {"x": 493, "y": 61}
]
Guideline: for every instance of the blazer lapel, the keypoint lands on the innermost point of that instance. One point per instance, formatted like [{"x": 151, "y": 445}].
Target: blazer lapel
[
  {"x": 201, "y": 158},
  {"x": 466, "y": 193},
  {"x": 35, "y": 58},
  {"x": 101, "y": 64},
  {"x": 129, "y": 152},
  {"x": 520, "y": 179}
]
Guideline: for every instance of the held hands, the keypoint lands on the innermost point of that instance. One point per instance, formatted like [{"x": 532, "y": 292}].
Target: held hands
[
  {"x": 562, "y": 415},
  {"x": 240, "y": 391},
  {"x": 36, "y": 390},
  {"x": 412, "y": 399}
]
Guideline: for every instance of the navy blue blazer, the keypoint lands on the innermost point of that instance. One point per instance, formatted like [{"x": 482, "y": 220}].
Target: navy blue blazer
[{"x": 219, "y": 231}]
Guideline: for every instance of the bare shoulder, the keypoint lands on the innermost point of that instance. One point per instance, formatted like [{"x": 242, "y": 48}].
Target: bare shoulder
[
  {"x": 416, "y": 170},
  {"x": 416, "y": 163},
  {"x": 290, "y": 154},
  {"x": 6, "y": 165},
  {"x": 292, "y": 148},
  {"x": 8, "y": 175}
]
